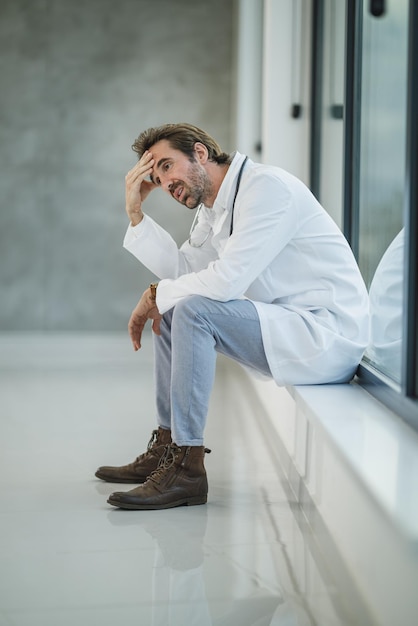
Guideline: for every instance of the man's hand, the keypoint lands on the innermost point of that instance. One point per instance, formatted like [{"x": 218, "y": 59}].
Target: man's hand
[
  {"x": 146, "y": 309},
  {"x": 137, "y": 188}
]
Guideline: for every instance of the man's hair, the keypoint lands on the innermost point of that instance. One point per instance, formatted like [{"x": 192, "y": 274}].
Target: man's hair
[{"x": 181, "y": 137}]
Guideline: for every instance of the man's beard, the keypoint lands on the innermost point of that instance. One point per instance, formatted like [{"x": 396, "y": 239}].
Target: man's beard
[{"x": 199, "y": 186}]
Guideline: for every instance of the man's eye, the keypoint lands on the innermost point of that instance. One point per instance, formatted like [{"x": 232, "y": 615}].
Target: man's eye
[{"x": 166, "y": 166}]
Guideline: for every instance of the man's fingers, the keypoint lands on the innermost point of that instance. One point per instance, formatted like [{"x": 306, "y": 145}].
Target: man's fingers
[
  {"x": 142, "y": 168},
  {"x": 156, "y": 326},
  {"x": 135, "y": 328}
]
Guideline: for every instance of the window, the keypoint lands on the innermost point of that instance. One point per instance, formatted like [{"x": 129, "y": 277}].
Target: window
[
  {"x": 364, "y": 155},
  {"x": 380, "y": 189},
  {"x": 381, "y": 201}
]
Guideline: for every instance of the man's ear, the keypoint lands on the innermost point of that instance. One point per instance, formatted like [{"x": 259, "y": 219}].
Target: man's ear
[{"x": 201, "y": 152}]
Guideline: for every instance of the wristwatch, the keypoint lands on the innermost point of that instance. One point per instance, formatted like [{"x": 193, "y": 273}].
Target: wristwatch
[{"x": 153, "y": 287}]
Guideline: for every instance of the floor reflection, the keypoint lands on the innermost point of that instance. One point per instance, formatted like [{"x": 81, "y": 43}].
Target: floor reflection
[{"x": 197, "y": 582}]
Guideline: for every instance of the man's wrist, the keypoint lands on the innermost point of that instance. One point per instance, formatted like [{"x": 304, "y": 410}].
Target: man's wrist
[{"x": 136, "y": 219}]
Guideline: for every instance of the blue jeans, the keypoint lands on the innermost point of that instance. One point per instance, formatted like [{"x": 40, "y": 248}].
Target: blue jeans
[{"x": 185, "y": 359}]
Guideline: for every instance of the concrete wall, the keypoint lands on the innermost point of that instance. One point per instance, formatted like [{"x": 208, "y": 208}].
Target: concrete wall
[{"x": 79, "y": 81}]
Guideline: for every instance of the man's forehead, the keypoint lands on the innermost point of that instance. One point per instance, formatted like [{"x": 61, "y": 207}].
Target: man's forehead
[
  {"x": 161, "y": 152},
  {"x": 162, "y": 148}
]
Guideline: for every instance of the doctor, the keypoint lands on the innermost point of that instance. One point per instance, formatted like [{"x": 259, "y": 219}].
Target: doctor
[{"x": 266, "y": 278}]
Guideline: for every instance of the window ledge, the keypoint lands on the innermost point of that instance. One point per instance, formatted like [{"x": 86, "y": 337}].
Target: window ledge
[
  {"x": 378, "y": 447},
  {"x": 352, "y": 467}
]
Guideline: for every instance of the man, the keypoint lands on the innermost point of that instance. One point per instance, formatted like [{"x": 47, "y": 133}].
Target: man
[{"x": 266, "y": 278}]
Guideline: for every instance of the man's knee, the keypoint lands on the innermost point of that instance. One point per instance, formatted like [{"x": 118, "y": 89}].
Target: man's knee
[{"x": 190, "y": 308}]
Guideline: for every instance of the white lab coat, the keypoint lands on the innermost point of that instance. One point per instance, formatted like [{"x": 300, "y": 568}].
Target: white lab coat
[
  {"x": 286, "y": 255},
  {"x": 386, "y": 310}
]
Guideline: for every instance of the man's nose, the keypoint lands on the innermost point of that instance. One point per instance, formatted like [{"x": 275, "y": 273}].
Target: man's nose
[{"x": 166, "y": 184}]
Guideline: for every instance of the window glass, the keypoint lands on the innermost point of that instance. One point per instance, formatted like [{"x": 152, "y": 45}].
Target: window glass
[
  {"x": 332, "y": 130},
  {"x": 382, "y": 179}
]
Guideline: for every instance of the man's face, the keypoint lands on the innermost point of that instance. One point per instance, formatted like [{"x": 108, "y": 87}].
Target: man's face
[{"x": 186, "y": 181}]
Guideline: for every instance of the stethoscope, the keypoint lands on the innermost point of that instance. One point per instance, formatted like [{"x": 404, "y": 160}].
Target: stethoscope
[{"x": 196, "y": 217}]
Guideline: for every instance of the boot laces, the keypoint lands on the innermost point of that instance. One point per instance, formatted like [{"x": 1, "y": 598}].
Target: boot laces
[
  {"x": 149, "y": 446},
  {"x": 166, "y": 461},
  {"x": 152, "y": 440}
]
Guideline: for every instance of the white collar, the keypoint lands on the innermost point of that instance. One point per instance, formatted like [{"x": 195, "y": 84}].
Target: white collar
[{"x": 224, "y": 199}]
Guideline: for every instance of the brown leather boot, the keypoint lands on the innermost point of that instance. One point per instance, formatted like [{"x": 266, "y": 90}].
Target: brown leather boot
[
  {"x": 180, "y": 479},
  {"x": 139, "y": 470}
]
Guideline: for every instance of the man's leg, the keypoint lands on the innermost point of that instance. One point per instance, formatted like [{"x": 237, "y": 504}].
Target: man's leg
[
  {"x": 147, "y": 462},
  {"x": 199, "y": 328},
  {"x": 162, "y": 371}
]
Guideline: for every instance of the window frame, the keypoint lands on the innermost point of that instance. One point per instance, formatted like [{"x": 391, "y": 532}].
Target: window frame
[{"x": 401, "y": 399}]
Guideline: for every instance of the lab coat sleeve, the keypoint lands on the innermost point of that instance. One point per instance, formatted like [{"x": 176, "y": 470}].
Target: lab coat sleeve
[
  {"x": 154, "y": 247},
  {"x": 265, "y": 221}
]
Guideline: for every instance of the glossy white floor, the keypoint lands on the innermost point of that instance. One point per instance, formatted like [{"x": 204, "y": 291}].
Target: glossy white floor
[{"x": 70, "y": 403}]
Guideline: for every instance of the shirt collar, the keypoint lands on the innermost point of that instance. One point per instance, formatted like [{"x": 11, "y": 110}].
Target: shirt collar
[{"x": 224, "y": 199}]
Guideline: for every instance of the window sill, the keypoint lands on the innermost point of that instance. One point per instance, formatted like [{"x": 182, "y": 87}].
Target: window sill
[{"x": 352, "y": 466}]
